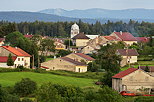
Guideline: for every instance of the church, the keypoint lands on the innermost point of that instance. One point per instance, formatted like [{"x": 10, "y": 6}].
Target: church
[{"x": 79, "y": 38}]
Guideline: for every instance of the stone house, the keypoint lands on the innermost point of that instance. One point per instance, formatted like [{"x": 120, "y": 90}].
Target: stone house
[
  {"x": 65, "y": 63},
  {"x": 19, "y": 56},
  {"x": 80, "y": 57},
  {"x": 126, "y": 37},
  {"x": 132, "y": 79},
  {"x": 129, "y": 56},
  {"x": 80, "y": 40},
  {"x": 59, "y": 45}
]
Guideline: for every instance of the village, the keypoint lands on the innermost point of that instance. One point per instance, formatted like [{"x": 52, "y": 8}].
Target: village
[{"x": 81, "y": 46}]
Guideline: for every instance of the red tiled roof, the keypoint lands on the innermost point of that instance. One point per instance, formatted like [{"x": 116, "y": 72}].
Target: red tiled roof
[
  {"x": 28, "y": 36},
  {"x": 124, "y": 73},
  {"x": 127, "y": 52},
  {"x": 143, "y": 39},
  {"x": 85, "y": 56},
  {"x": 111, "y": 38},
  {"x": 73, "y": 61},
  {"x": 44, "y": 67},
  {"x": 125, "y": 36},
  {"x": 16, "y": 51},
  {"x": 3, "y": 59},
  {"x": 80, "y": 36}
]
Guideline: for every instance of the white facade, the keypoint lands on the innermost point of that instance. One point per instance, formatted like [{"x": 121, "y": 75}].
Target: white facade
[{"x": 74, "y": 30}]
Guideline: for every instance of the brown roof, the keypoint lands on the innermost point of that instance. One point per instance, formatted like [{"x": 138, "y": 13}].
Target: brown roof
[
  {"x": 125, "y": 36},
  {"x": 73, "y": 61},
  {"x": 143, "y": 39},
  {"x": 80, "y": 36},
  {"x": 85, "y": 56},
  {"x": 124, "y": 73},
  {"x": 151, "y": 68},
  {"x": 128, "y": 52}
]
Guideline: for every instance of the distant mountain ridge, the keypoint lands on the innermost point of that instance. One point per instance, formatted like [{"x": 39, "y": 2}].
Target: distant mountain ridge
[
  {"x": 21, "y": 16},
  {"x": 96, "y": 13}
]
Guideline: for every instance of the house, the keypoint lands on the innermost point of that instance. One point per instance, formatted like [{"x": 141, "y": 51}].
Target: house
[
  {"x": 2, "y": 41},
  {"x": 65, "y": 63},
  {"x": 19, "y": 56},
  {"x": 59, "y": 45},
  {"x": 128, "y": 56},
  {"x": 80, "y": 57},
  {"x": 89, "y": 49},
  {"x": 142, "y": 39},
  {"x": 80, "y": 40},
  {"x": 126, "y": 37},
  {"x": 132, "y": 79}
]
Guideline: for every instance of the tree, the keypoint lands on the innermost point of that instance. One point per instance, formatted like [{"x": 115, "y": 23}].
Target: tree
[
  {"x": 25, "y": 87},
  {"x": 108, "y": 59},
  {"x": 63, "y": 53},
  {"x": 10, "y": 61},
  {"x": 48, "y": 93},
  {"x": 107, "y": 78},
  {"x": 147, "y": 69}
]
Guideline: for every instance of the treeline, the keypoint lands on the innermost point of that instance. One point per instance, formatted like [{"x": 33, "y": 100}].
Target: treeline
[{"x": 62, "y": 29}]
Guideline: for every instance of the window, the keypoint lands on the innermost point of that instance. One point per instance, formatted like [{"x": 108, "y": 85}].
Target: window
[
  {"x": 22, "y": 59},
  {"x": 18, "y": 59}
]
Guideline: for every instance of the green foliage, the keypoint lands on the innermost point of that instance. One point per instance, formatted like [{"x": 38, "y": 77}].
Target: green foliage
[
  {"x": 93, "y": 67},
  {"x": 42, "y": 59},
  {"x": 26, "y": 100},
  {"x": 10, "y": 61},
  {"x": 48, "y": 93},
  {"x": 144, "y": 99},
  {"x": 68, "y": 42},
  {"x": 108, "y": 59},
  {"x": 105, "y": 94},
  {"x": 25, "y": 87},
  {"x": 6, "y": 97},
  {"x": 147, "y": 69},
  {"x": 107, "y": 78},
  {"x": 63, "y": 53}
]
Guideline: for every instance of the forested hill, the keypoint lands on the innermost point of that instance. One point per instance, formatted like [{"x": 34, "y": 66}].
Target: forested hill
[
  {"x": 14, "y": 16},
  {"x": 20, "y": 16},
  {"x": 104, "y": 13}
]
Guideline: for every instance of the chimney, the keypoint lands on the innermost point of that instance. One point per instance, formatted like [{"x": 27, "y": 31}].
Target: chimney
[
  {"x": 121, "y": 32},
  {"x": 16, "y": 47}
]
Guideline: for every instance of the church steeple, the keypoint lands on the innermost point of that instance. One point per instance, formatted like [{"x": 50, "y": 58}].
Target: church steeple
[{"x": 74, "y": 30}]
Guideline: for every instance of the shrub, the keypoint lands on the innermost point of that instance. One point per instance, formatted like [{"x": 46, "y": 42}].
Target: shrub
[
  {"x": 25, "y": 87},
  {"x": 144, "y": 99},
  {"x": 26, "y": 100},
  {"x": 48, "y": 93}
]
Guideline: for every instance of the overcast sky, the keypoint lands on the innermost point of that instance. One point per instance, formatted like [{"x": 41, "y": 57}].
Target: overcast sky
[{"x": 36, "y": 5}]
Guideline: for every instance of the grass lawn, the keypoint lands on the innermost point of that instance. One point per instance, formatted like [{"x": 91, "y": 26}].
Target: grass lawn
[
  {"x": 142, "y": 63},
  {"x": 47, "y": 59},
  {"x": 10, "y": 78}
]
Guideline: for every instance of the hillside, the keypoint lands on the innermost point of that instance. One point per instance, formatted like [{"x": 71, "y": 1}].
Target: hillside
[
  {"x": 104, "y": 13},
  {"x": 10, "y": 78},
  {"x": 21, "y": 16}
]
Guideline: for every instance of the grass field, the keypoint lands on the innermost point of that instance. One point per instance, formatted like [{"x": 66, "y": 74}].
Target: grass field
[
  {"x": 10, "y": 78},
  {"x": 141, "y": 63},
  {"x": 47, "y": 59}
]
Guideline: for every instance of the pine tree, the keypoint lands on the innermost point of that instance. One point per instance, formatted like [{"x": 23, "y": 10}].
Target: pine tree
[{"x": 10, "y": 61}]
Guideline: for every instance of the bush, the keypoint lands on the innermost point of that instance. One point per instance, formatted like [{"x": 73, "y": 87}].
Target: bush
[
  {"x": 48, "y": 93},
  {"x": 25, "y": 87},
  {"x": 26, "y": 100},
  {"x": 144, "y": 99}
]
